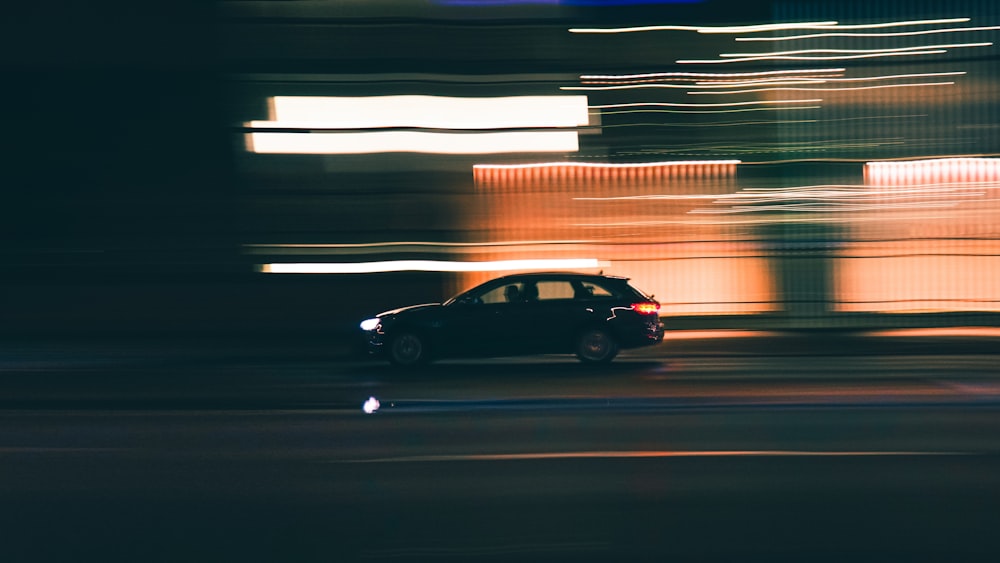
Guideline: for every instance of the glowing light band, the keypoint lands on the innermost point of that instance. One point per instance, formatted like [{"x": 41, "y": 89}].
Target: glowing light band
[
  {"x": 428, "y": 266},
  {"x": 962, "y": 170},
  {"x": 514, "y": 175},
  {"x": 435, "y": 112},
  {"x": 413, "y": 141}
]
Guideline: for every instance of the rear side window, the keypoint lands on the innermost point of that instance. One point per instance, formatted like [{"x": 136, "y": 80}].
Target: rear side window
[
  {"x": 590, "y": 290},
  {"x": 555, "y": 289}
]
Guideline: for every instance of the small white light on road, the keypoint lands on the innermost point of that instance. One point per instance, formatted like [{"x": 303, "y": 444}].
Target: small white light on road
[{"x": 371, "y": 405}]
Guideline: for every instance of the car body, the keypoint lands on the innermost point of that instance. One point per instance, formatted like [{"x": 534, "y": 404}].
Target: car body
[{"x": 592, "y": 316}]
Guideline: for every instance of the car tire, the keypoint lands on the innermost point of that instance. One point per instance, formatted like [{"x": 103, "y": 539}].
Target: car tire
[
  {"x": 408, "y": 349},
  {"x": 596, "y": 346}
]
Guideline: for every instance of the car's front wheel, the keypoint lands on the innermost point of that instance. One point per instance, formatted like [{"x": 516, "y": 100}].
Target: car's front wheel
[
  {"x": 408, "y": 349},
  {"x": 596, "y": 346}
]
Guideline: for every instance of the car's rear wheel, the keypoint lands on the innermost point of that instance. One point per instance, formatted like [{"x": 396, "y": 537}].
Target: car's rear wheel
[
  {"x": 408, "y": 349},
  {"x": 596, "y": 346}
]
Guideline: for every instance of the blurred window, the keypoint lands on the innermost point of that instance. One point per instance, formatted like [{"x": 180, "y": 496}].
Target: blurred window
[
  {"x": 590, "y": 290},
  {"x": 506, "y": 293},
  {"x": 555, "y": 289}
]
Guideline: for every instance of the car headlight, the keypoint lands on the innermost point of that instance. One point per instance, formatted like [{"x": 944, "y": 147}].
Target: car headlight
[{"x": 369, "y": 324}]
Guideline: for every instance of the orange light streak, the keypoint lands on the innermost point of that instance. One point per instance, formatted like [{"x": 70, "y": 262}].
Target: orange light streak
[{"x": 600, "y": 172}]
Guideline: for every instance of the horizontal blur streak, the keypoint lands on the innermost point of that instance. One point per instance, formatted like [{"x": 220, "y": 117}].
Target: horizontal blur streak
[
  {"x": 512, "y": 176},
  {"x": 728, "y": 75},
  {"x": 762, "y": 28},
  {"x": 432, "y": 112},
  {"x": 410, "y": 246},
  {"x": 722, "y": 104},
  {"x": 459, "y": 117},
  {"x": 580, "y": 3},
  {"x": 725, "y": 333},
  {"x": 909, "y": 172},
  {"x": 852, "y": 51},
  {"x": 708, "y": 29},
  {"x": 412, "y": 141},
  {"x": 645, "y": 454},
  {"x": 837, "y": 89},
  {"x": 429, "y": 266},
  {"x": 816, "y": 58},
  {"x": 878, "y": 35},
  {"x": 915, "y": 264},
  {"x": 954, "y": 331},
  {"x": 647, "y": 85},
  {"x": 712, "y": 111}
]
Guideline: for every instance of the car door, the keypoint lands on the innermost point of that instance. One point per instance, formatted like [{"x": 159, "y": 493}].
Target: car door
[
  {"x": 553, "y": 315},
  {"x": 486, "y": 324}
]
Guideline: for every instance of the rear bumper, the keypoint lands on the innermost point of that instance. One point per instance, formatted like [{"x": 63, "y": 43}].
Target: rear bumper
[{"x": 649, "y": 333}]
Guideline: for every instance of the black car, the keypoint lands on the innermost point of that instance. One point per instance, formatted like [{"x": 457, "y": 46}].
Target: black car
[{"x": 593, "y": 316}]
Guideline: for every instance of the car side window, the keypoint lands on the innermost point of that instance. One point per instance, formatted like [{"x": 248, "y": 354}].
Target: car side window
[
  {"x": 589, "y": 290},
  {"x": 554, "y": 289},
  {"x": 506, "y": 293}
]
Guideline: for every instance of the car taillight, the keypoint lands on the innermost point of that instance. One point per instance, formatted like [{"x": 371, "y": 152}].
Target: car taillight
[{"x": 646, "y": 308}]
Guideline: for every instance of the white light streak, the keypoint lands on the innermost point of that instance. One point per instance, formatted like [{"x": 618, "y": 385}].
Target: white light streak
[
  {"x": 824, "y": 25},
  {"x": 427, "y": 266},
  {"x": 626, "y": 87},
  {"x": 771, "y": 81},
  {"x": 840, "y": 89},
  {"x": 851, "y": 51},
  {"x": 893, "y": 34},
  {"x": 413, "y": 141},
  {"x": 709, "y": 29},
  {"x": 707, "y": 74},
  {"x": 743, "y": 110},
  {"x": 436, "y": 112},
  {"x": 834, "y": 25},
  {"x": 892, "y": 77},
  {"x": 667, "y": 104},
  {"x": 800, "y": 58},
  {"x": 701, "y": 85},
  {"x": 901, "y": 23}
]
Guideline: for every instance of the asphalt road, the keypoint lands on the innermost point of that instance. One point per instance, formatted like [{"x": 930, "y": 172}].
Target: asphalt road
[{"x": 152, "y": 452}]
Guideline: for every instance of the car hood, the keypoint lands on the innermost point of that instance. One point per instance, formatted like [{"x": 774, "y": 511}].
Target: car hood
[{"x": 409, "y": 309}]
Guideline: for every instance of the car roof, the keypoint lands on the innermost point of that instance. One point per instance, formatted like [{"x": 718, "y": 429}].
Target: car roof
[{"x": 561, "y": 275}]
